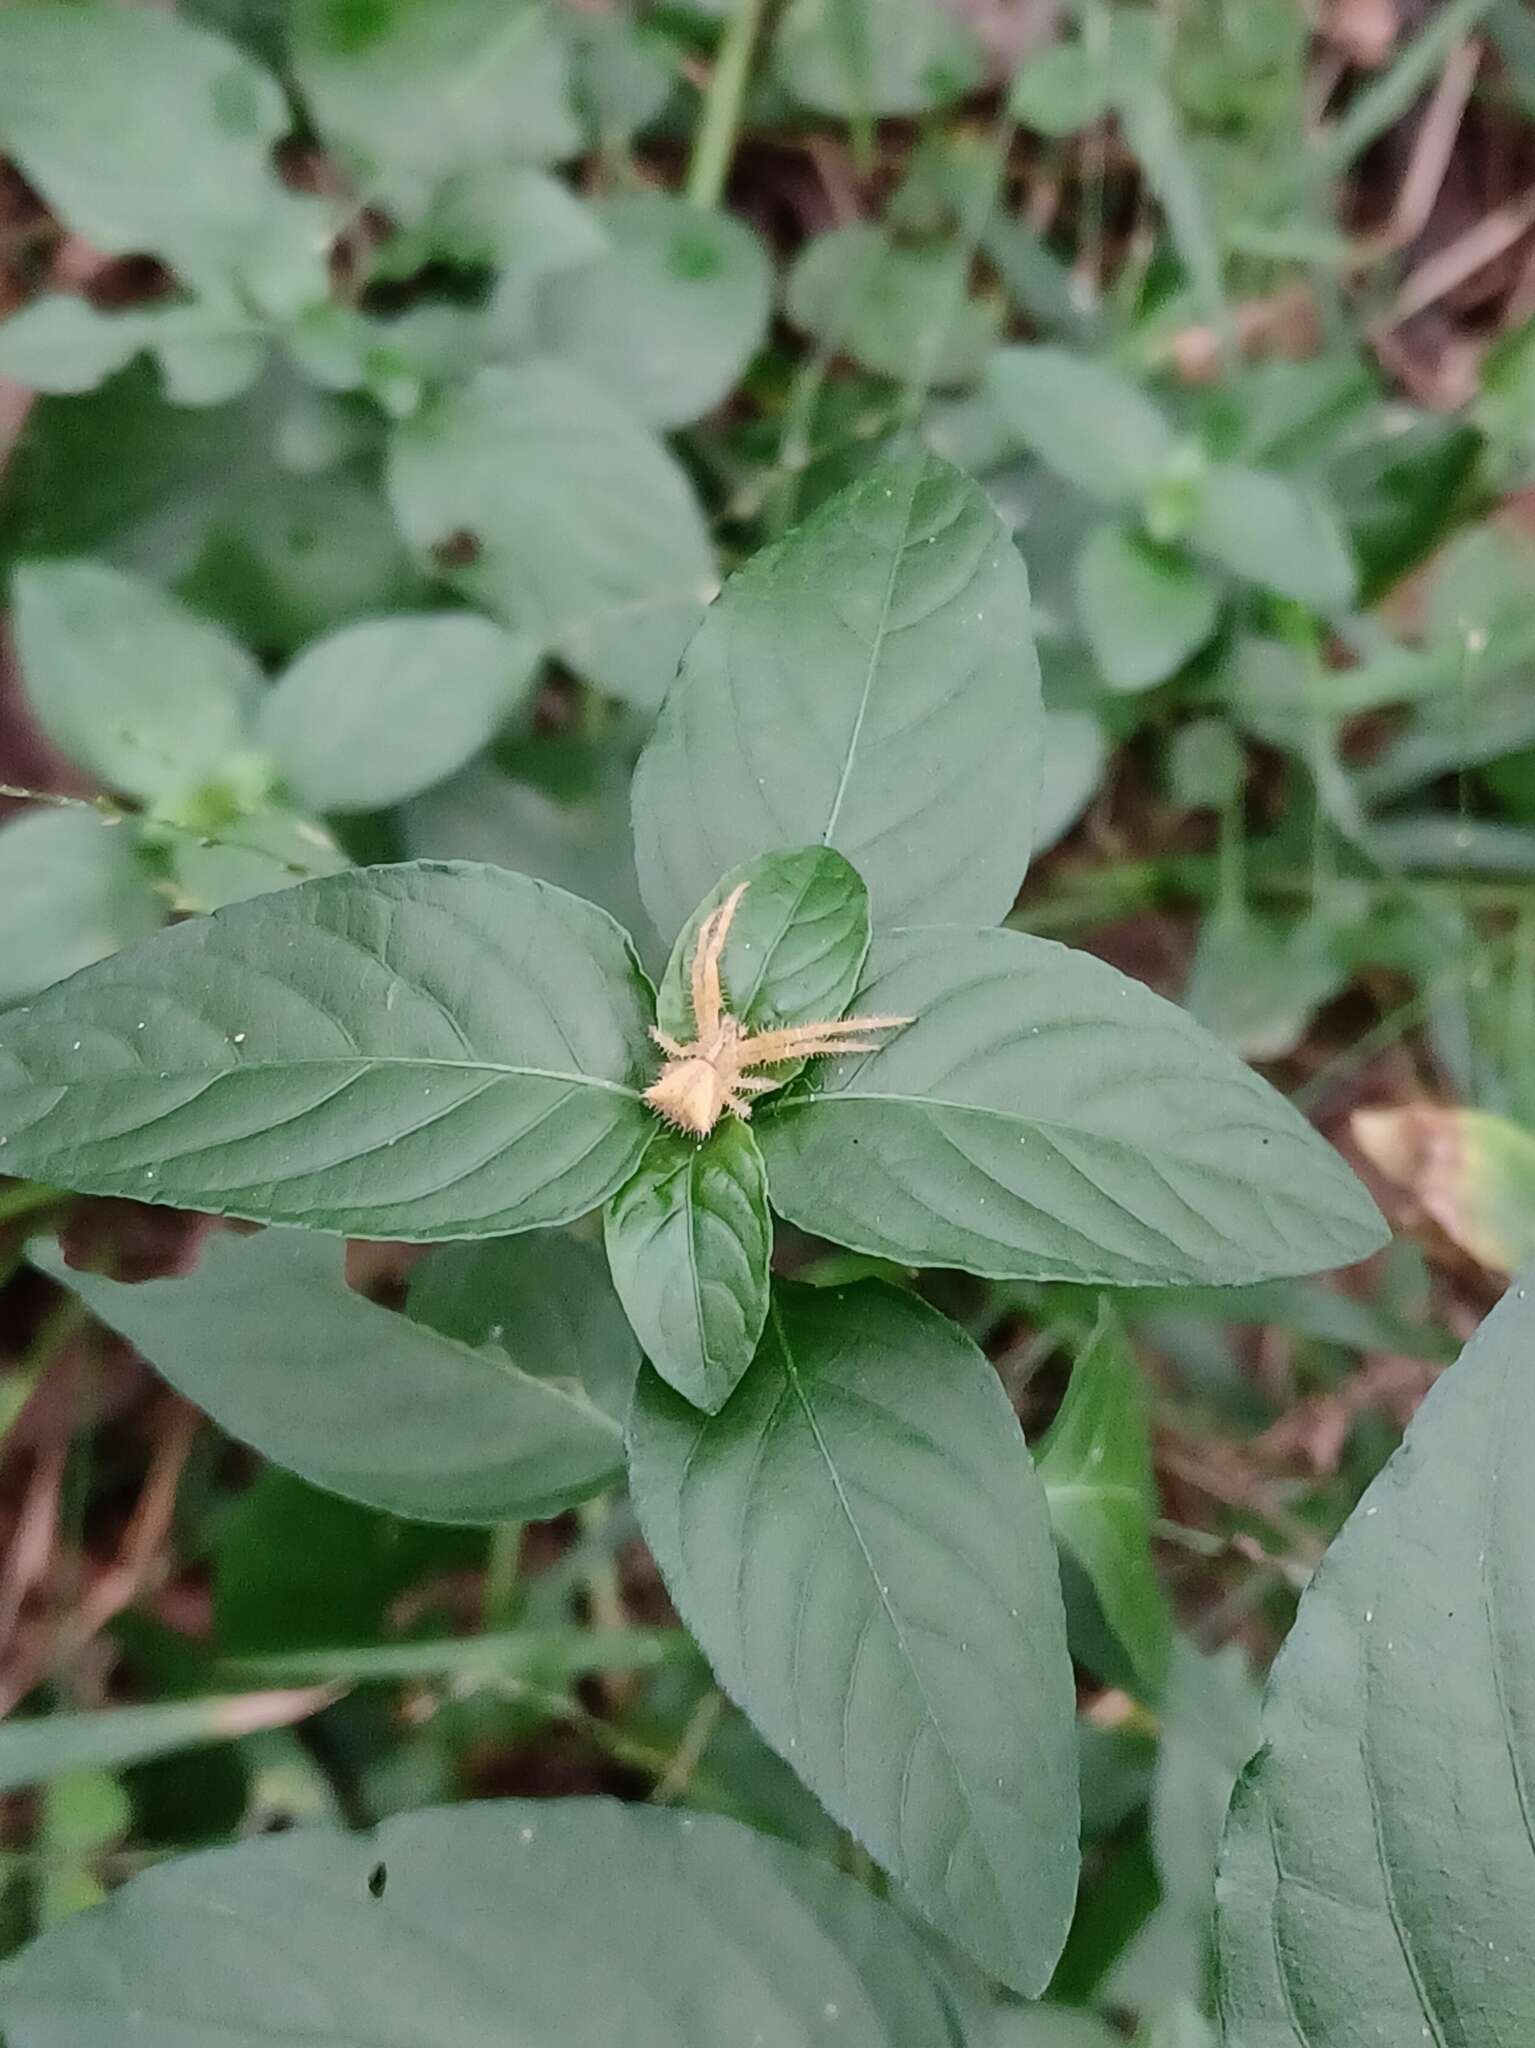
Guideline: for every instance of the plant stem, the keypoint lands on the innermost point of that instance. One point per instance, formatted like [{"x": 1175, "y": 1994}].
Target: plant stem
[
  {"x": 715, "y": 143},
  {"x": 24, "y": 1197},
  {"x": 502, "y": 1597}
]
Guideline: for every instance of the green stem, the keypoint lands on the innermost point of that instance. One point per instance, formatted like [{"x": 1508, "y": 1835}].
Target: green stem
[
  {"x": 25, "y": 1197},
  {"x": 715, "y": 143},
  {"x": 502, "y": 1596}
]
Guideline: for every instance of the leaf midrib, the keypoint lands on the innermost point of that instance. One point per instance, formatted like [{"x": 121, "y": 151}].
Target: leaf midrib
[
  {"x": 876, "y": 649},
  {"x": 363, "y": 1061}
]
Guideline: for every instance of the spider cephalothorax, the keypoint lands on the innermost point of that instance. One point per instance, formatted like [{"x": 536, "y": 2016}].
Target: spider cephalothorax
[{"x": 712, "y": 1074}]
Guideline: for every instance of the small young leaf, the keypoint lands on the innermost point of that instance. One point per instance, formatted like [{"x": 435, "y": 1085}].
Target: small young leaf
[
  {"x": 795, "y": 947},
  {"x": 865, "y": 57},
  {"x": 564, "y": 1905},
  {"x": 1062, "y": 89},
  {"x": 93, "y": 97},
  {"x": 1144, "y": 608},
  {"x": 1095, "y": 1464},
  {"x": 418, "y": 1051},
  {"x": 541, "y": 497},
  {"x": 868, "y": 683},
  {"x": 266, "y": 1335},
  {"x": 544, "y": 1298},
  {"x": 386, "y": 708},
  {"x": 689, "y": 1241},
  {"x": 1378, "y": 1871},
  {"x": 266, "y": 849},
  {"x": 126, "y": 681},
  {"x": 861, "y": 1546},
  {"x": 670, "y": 316},
  {"x": 1045, "y": 1118},
  {"x": 1276, "y": 535},
  {"x": 1088, "y": 423},
  {"x": 414, "y": 90},
  {"x": 1076, "y": 750},
  {"x": 72, "y": 890},
  {"x": 903, "y": 312}
]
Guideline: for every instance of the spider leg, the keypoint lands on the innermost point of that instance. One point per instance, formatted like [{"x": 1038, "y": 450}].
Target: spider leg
[
  {"x": 669, "y": 1046},
  {"x": 811, "y": 1041},
  {"x": 708, "y": 1003}
]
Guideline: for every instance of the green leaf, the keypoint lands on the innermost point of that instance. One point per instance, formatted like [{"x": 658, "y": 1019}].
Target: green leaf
[
  {"x": 1062, "y": 89},
  {"x": 1378, "y": 1872},
  {"x": 1089, "y": 424},
  {"x": 250, "y": 855},
  {"x": 794, "y": 950},
  {"x": 544, "y": 500},
  {"x": 383, "y": 709},
  {"x": 860, "y": 1544},
  {"x": 1095, "y": 1464},
  {"x": 268, "y": 1338},
  {"x": 1274, "y": 534},
  {"x": 901, "y": 311},
  {"x": 127, "y": 682},
  {"x": 410, "y": 1052},
  {"x": 670, "y": 316},
  {"x": 72, "y": 890},
  {"x": 621, "y": 75},
  {"x": 90, "y": 96},
  {"x": 1144, "y": 608},
  {"x": 1046, "y": 1118},
  {"x": 863, "y": 57},
  {"x": 32, "y": 1751},
  {"x": 689, "y": 1242},
  {"x": 473, "y": 1925},
  {"x": 545, "y": 1298},
  {"x": 60, "y": 343},
  {"x": 295, "y": 1567},
  {"x": 414, "y": 90},
  {"x": 869, "y": 683}
]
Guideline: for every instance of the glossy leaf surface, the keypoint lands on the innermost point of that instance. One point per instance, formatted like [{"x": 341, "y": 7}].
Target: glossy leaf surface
[
  {"x": 1046, "y": 1118},
  {"x": 868, "y": 683},
  {"x": 414, "y": 1051},
  {"x": 860, "y": 1544},
  {"x": 267, "y": 1337}
]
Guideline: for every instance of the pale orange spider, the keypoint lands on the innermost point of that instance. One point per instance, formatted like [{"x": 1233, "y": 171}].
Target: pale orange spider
[{"x": 702, "y": 1080}]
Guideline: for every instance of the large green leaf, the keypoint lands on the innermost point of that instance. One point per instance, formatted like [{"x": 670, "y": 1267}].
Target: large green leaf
[
  {"x": 1095, "y": 1464},
  {"x": 268, "y": 1338},
  {"x": 414, "y": 90},
  {"x": 416, "y": 1051},
  {"x": 1378, "y": 1873},
  {"x": 689, "y": 1241},
  {"x": 670, "y": 316},
  {"x": 577, "y": 1922},
  {"x": 1093, "y": 427},
  {"x": 547, "y": 502},
  {"x": 380, "y": 710},
  {"x": 72, "y": 890},
  {"x": 126, "y": 681},
  {"x": 868, "y": 683},
  {"x": 145, "y": 133},
  {"x": 794, "y": 949},
  {"x": 1046, "y": 1118},
  {"x": 860, "y": 1544},
  {"x": 544, "y": 1298}
]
